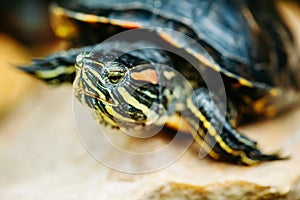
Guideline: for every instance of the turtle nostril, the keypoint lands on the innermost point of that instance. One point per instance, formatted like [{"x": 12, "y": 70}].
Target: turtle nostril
[
  {"x": 80, "y": 58},
  {"x": 85, "y": 69}
]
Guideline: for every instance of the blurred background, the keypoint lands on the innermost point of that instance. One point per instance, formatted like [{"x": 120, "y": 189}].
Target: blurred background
[
  {"x": 27, "y": 21},
  {"x": 24, "y": 33}
]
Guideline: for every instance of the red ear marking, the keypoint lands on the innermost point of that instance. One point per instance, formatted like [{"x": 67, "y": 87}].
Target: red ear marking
[{"x": 148, "y": 75}]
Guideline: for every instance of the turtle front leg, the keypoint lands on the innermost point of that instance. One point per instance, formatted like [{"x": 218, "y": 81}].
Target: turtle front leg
[
  {"x": 215, "y": 134},
  {"x": 56, "y": 68}
]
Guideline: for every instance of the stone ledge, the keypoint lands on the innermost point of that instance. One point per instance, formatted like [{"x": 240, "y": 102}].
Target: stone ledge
[{"x": 42, "y": 155}]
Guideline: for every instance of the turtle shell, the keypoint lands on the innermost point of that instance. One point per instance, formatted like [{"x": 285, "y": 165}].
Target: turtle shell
[
  {"x": 244, "y": 40},
  {"x": 239, "y": 39}
]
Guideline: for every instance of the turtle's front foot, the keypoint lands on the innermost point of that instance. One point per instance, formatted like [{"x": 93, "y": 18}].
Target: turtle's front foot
[
  {"x": 232, "y": 146},
  {"x": 217, "y": 137},
  {"x": 56, "y": 68}
]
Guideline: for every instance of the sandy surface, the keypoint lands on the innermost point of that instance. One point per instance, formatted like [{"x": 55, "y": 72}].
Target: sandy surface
[{"x": 41, "y": 156}]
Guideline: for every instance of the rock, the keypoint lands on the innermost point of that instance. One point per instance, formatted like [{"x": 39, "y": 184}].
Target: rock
[{"x": 40, "y": 154}]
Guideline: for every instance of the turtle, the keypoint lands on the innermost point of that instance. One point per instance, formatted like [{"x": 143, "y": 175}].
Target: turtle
[{"x": 126, "y": 83}]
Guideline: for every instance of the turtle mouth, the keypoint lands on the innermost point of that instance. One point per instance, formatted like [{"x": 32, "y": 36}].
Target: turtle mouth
[{"x": 80, "y": 94}]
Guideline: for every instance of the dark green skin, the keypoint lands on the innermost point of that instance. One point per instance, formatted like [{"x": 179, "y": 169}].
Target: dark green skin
[
  {"x": 263, "y": 57},
  {"x": 205, "y": 101}
]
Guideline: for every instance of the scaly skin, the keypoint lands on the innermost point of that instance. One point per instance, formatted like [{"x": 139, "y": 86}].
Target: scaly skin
[{"x": 128, "y": 89}]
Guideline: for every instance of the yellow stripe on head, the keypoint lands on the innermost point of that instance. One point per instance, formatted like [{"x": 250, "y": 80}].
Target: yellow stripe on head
[{"x": 132, "y": 101}]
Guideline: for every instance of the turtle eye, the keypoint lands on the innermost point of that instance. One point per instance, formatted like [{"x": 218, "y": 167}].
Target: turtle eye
[{"x": 115, "y": 77}]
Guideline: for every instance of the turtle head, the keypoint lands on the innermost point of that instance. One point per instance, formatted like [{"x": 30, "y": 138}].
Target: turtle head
[{"x": 123, "y": 92}]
